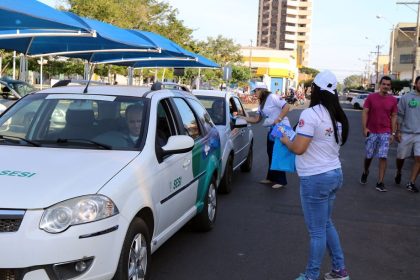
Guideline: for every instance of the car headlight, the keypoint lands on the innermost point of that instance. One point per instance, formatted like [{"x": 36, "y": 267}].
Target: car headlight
[{"x": 80, "y": 210}]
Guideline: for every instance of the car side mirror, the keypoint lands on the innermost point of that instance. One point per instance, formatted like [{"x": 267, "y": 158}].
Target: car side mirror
[
  {"x": 178, "y": 144},
  {"x": 240, "y": 123}
]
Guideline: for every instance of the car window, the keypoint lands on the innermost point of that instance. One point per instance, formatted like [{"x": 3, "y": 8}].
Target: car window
[
  {"x": 19, "y": 123},
  {"x": 165, "y": 126},
  {"x": 6, "y": 92},
  {"x": 216, "y": 107},
  {"x": 202, "y": 114},
  {"x": 23, "y": 89},
  {"x": 70, "y": 122},
  {"x": 240, "y": 110},
  {"x": 188, "y": 118}
]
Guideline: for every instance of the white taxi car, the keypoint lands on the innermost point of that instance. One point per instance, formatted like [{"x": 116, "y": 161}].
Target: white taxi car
[
  {"x": 94, "y": 198},
  {"x": 359, "y": 100},
  {"x": 236, "y": 137}
]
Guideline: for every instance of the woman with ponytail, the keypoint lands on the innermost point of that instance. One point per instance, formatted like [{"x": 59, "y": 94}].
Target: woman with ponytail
[{"x": 321, "y": 130}]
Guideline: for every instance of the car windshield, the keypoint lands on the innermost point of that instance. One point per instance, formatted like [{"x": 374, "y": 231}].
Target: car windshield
[
  {"x": 75, "y": 121},
  {"x": 23, "y": 88},
  {"x": 216, "y": 107}
]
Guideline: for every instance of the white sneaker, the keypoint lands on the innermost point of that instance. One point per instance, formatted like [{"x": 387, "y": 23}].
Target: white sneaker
[{"x": 277, "y": 186}]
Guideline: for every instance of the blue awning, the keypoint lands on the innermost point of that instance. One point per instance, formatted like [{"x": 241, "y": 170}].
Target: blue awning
[
  {"x": 20, "y": 17},
  {"x": 108, "y": 38},
  {"x": 195, "y": 61},
  {"x": 110, "y": 43}
]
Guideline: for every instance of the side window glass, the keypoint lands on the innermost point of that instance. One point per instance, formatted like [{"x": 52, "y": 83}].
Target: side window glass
[
  {"x": 19, "y": 124},
  {"x": 188, "y": 119},
  {"x": 239, "y": 108},
  {"x": 165, "y": 126},
  {"x": 203, "y": 115},
  {"x": 232, "y": 106}
]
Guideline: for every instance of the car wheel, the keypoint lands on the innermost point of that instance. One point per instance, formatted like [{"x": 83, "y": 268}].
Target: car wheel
[
  {"x": 204, "y": 221},
  {"x": 356, "y": 106},
  {"x": 225, "y": 184},
  {"x": 247, "y": 165},
  {"x": 134, "y": 263}
]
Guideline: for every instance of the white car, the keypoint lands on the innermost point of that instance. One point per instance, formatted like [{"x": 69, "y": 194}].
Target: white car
[
  {"x": 95, "y": 198},
  {"x": 236, "y": 137},
  {"x": 359, "y": 100}
]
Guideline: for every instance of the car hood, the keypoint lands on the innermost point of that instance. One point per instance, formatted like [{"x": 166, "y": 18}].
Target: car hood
[{"x": 40, "y": 177}]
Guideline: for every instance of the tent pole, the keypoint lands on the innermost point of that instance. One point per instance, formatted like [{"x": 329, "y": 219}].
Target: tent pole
[
  {"x": 14, "y": 65},
  {"x": 163, "y": 74},
  {"x": 199, "y": 78},
  {"x": 41, "y": 70}
]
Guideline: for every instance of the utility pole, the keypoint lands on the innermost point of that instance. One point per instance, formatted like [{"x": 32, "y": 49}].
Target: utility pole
[
  {"x": 377, "y": 64},
  {"x": 416, "y": 39},
  {"x": 250, "y": 61}
]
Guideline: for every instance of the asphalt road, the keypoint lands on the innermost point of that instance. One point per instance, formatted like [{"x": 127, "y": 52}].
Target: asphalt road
[{"x": 260, "y": 232}]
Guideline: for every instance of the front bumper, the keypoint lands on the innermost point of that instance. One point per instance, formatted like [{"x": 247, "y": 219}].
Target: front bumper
[{"x": 31, "y": 252}]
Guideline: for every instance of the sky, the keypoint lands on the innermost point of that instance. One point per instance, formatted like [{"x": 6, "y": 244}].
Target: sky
[{"x": 343, "y": 35}]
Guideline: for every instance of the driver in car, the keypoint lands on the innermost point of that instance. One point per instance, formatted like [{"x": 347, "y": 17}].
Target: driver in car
[{"x": 133, "y": 115}]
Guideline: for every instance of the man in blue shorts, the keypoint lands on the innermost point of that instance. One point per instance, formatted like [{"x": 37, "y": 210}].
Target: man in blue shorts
[{"x": 379, "y": 121}]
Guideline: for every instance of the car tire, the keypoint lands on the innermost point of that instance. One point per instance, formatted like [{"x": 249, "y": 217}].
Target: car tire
[
  {"x": 136, "y": 253},
  {"x": 247, "y": 165},
  {"x": 204, "y": 221},
  {"x": 226, "y": 182},
  {"x": 356, "y": 106}
]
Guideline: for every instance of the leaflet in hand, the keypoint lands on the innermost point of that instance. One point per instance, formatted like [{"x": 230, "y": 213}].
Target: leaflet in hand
[{"x": 280, "y": 129}]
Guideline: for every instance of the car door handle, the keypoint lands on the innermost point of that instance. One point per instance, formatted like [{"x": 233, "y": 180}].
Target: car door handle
[{"x": 186, "y": 163}]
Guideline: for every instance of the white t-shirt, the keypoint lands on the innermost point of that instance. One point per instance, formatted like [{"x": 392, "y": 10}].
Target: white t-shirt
[
  {"x": 272, "y": 108},
  {"x": 322, "y": 154}
]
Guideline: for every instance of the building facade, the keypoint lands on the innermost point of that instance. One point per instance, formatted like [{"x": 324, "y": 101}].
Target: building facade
[
  {"x": 286, "y": 25},
  {"x": 403, "y": 51},
  {"x": 276, "y": 68}
]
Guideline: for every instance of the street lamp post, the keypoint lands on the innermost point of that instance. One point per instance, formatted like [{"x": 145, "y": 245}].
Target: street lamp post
[{"x": 391, "y": 44}]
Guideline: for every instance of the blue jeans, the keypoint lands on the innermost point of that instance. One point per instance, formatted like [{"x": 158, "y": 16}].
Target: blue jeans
[{"x": 317, "y": 194}]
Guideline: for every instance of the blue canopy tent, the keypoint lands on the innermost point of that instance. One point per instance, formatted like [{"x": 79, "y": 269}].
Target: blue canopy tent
[
  {"x": 108, "y": 39},
  {"x": 30, "y": 18},
  {"x": 105, "y": 42},
  {"x": 197, "y": 61}
]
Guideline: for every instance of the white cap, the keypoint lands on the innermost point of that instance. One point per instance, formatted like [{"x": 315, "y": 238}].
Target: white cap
[
  {"x": 258, "y": 85},
  {"x": 326, "y": 80}
]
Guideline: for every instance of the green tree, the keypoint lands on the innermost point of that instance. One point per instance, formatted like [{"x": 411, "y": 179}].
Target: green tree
[
  {"x": 353, "y": 81},
  {"x": 150, "y": 15},
  {"x": 220, "y": 49},
  {"x": 398, "y": 85},
  {"x": 240, "y": 73},
  {"x": 309, "y": 71}
]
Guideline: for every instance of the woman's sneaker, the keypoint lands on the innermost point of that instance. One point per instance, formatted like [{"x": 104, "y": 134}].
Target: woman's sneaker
[
  {"x": 341, "y": 274},
  {"x": 302, "y": 277}
]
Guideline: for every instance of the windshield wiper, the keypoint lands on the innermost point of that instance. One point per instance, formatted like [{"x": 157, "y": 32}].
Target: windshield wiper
[
  {"x": 10, "y": 137},
  {"x": 105, "y": 146}
]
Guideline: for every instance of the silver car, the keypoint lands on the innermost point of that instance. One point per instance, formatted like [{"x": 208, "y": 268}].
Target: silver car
[
  {"x": 12, "y": 90},
  {"x": 236, "y": 137}
]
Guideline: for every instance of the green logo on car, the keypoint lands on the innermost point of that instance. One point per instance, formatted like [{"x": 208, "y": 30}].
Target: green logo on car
[{"x": 11, "y": 173}]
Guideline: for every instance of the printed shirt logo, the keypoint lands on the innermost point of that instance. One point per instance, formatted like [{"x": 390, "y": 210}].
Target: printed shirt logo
[
  {"x": 413, "y": 103},
  {"x": 329, "y": 132},
  {"x": 301, "y": 123}
]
